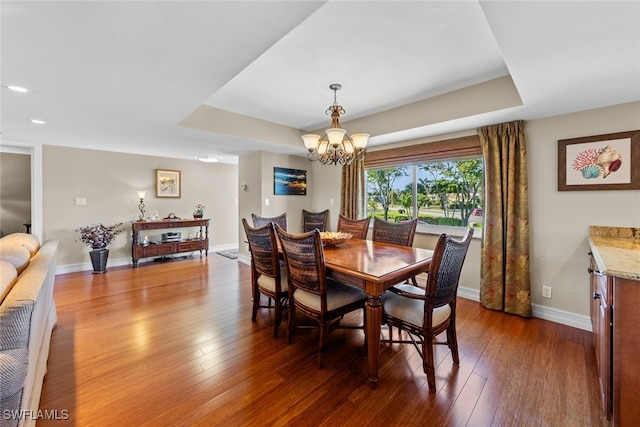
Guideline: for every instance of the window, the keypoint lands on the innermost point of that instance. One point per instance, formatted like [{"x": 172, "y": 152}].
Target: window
[{"x": 439, "y": 183}]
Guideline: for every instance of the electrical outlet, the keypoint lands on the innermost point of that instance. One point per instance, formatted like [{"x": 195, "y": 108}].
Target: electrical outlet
[{"x": 546, "y": 291}]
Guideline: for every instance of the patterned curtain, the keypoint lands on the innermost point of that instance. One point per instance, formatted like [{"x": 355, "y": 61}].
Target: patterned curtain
[
  {"x": 505, "y": 279},
  {"x": 352, "y": 191}
]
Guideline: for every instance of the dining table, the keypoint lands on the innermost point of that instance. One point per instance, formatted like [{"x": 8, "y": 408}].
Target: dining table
[{"x": 374, "y": 267}]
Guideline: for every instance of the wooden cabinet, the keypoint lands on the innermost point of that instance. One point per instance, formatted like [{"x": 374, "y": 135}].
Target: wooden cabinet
[
  {"x": 139, "y": 250},
  {"x": 602, "y": 326},
  {"x": 615, "y": 317}
]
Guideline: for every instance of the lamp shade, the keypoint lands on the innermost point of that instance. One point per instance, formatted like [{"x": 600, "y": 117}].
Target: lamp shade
[
  {"x": 360, "y": 140},
  {"x": 141, "y": 194},
  {"x": 310, "y": 141},
  {"x": 335, "y": 136}
]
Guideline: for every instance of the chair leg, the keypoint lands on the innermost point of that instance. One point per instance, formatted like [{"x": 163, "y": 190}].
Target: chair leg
[
  {"x": 292, "y": 321},
  {"x": 278, "y": 317},
  {"x": 427, "y": 363},
  {"x": 256, "y": 304},
  {"x": 323, "y": 333},
  {"x": 452, "y": 341}
]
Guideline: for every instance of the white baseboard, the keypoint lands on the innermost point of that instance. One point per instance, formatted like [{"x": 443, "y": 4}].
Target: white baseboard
[
  {"x": 467, "y": 293},
  {"x": 540, "y": 311},
  {"x": 117, "y": 262},
  {"x": 563, "y": 317}
]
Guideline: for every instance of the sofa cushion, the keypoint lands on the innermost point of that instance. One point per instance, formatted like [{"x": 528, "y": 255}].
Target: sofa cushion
[
  {"x": 29, "y": 241},
  {"x": 14, "y": 254},
  {"x": 8, "y": 277}
]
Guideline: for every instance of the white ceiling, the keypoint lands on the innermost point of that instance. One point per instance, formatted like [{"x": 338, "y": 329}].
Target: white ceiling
[{"x": 181, "y": 79}]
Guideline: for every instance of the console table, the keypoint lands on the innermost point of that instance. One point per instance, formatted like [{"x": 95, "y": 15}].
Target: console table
[{"x": 139, "y": 250}]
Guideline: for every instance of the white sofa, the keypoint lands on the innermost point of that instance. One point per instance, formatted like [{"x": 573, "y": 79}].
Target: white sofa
[{"x": 27, "y": 318}]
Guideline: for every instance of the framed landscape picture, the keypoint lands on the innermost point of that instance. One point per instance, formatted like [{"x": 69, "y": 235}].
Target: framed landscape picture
[
  {"x": 289, "y": 182},
  {"x": 168, "y": 183},
  {"x": 600, "y": 162}
]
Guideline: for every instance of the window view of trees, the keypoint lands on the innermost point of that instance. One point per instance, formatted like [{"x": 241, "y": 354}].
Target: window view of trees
[{"x": 439, "y": 193}]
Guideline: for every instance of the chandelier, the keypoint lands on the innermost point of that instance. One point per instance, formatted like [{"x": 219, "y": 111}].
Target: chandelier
[{"x": 335, "y": 146}]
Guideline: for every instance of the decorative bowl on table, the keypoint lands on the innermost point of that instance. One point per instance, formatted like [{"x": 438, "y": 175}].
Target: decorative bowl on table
[{"x": 334, "y": 238}]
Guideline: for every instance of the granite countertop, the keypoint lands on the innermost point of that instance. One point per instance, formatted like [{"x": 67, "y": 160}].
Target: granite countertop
[{"x": 616, "y": 250}]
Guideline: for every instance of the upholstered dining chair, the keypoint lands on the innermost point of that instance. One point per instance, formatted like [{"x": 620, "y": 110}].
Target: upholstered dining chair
[
  {"x": 358, "y": 228},
  {"x": 312, "y": 293},
  {"x": 314, "y": 220},
  {"x": 281, "y": 220},
  {"x": 268, "y": 276},
  {"x": 424, "y": 314}
]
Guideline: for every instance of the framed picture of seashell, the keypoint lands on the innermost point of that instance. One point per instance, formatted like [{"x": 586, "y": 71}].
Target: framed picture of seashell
[{"x": 600, "y": 162}]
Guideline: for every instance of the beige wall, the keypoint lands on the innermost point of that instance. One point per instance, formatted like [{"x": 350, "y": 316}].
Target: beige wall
[
  {"x": 256, "y": 170},
  {"x": 560, "y": 219},
  {"x": 109, "y": 182},
  {"x": 15, "y": 192}
]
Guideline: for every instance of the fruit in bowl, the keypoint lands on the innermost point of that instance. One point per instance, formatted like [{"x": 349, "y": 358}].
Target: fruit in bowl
[{"x": 334, "y": 238}]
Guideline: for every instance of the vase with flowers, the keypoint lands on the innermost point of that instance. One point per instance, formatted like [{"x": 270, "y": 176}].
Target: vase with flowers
[
  {"x": 98, "y": 238},
  {"x": 198, "y": 211}
]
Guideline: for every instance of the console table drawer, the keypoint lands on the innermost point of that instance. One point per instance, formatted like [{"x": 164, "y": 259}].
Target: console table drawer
[
  {"x": 162, "y": 249},
  {"x": 190, "y": 246}
]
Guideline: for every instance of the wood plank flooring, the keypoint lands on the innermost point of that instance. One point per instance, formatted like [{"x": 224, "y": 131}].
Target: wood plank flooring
[{"x": 172, "y": 344}]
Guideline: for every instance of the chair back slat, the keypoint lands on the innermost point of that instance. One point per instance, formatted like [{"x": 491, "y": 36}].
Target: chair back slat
[
  {"x": 262, "y": 245},
  {"x": 398, "y": 234},
  {"x": 314, "y": 220},
  {"x": 358, "y": 228},
  {"x": 259, "y": 221},
  {"x": 304, "y": 258},
  {"x": 445, "y": 268}
]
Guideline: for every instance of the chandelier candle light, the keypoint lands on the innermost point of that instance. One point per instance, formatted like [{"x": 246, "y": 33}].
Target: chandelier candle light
[{"x": 336, "y": 146}]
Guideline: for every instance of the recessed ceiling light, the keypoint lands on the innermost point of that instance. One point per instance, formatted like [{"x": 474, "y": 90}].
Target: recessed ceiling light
[
  {"x": 37, "y": 121},
  {"x": 17, "y": 88},
  {"x": 209, "y": 159}
]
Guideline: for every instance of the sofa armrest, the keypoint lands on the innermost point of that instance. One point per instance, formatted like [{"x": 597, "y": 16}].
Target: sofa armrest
[{"x": 13, "y": 371}]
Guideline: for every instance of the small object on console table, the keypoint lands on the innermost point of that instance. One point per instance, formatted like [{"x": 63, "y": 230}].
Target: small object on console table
[{"x": 139, "y": 250}]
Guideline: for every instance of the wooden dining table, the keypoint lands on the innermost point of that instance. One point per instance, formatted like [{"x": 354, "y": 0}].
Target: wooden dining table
[{"x": 374, "y": 267}]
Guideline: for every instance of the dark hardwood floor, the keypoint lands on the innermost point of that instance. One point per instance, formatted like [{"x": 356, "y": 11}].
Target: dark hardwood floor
[{"x": 172, "y": 344}]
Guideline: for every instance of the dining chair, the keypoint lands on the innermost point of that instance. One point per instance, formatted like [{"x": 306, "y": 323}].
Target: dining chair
[
  {"x": 281, "y": 220},
  {"x": 401, "y": 234},
  {"x": 268, "y": 276},
  {"x": 313, "y": 294},
  {"x": 425, "y": 313},
  {"x": 358, "y": 228},
  {"x": 314, "y": 220}
]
